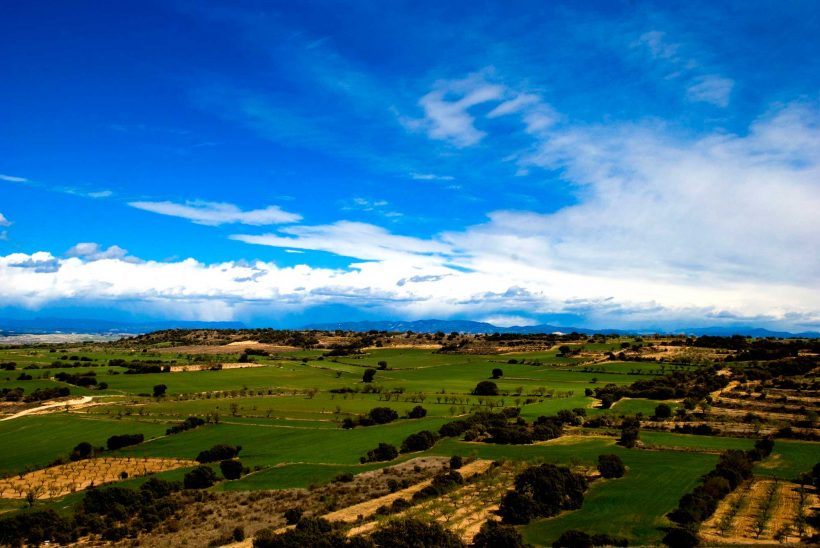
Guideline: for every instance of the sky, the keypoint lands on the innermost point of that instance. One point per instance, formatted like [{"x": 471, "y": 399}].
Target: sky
[{"x": 600, "y": 164}]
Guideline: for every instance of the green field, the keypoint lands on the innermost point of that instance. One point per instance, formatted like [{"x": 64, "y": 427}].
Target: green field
[{"x": 287, "y": 421}]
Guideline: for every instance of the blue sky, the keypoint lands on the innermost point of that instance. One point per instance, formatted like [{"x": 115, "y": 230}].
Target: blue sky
[{"x": 606, "y": 164}]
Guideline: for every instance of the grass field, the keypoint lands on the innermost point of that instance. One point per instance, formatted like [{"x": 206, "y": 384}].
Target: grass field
[{"x": 287, "y": 421}]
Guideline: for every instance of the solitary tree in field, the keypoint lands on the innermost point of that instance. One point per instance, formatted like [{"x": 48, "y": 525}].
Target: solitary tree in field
[
  {"x": 497, "y": 373},
  {"x": 159, "y": 390},
  {"x": 486, "y": 388},
  {"x": 663, "y": 411},
  {"x": 368, "y": 375}
]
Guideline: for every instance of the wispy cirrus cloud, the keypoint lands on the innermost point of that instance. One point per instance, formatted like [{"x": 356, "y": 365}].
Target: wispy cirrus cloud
[
  {"x": 219, "y": 213},
  {"x": 680, "y": 63},
  {"x": 12, "y": 178},
  {"x": 4, "y": 221}
]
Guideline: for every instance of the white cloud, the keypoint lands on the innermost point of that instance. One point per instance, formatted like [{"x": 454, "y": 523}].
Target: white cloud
[
  {"x": 100, "y": 194},
  {"x": 91, "y": 251},
  {"x": 218, "y": 213},
  {"x": 711, "y": 89},
  {"x": 4, "y": 221},
  {"x": 446, "y": 109},
  {"x": 350, "y": 239},
  {"x": 509, "y": 321},
  {"x": 430, "y": 177},
  {"x": 680, "y": 63},
  {"x": 13, "y": 179}
]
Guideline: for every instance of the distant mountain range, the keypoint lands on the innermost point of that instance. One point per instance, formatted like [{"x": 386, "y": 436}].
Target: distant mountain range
[
  {"x": 62, "y": 325},
  {"x": 70, "y": 325},
  {"x": 466, "y": 326}
]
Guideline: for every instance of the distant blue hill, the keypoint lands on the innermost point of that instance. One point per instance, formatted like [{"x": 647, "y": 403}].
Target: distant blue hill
[
  {"x": 71, "y": 325},
  {"x": 466, "y": 326}
]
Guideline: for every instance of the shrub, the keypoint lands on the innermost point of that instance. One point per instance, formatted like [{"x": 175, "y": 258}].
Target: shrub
[
  {"x": 124, "y": 440},
  {"x": 418, "y": 412},
  {"x": 543, "y": 491},
  {"x": 200, "y": 477},
  {"x": 293, "y": 515},
  {"x": 82, "y": 450},
  {"x": 159, "y": 390},
  {"x": 383, "y": 452},
  {"x": 485, "y": 388},
  {"x": 231, "y": 469},
  {"x": 219, "y": 452},
  {"x": 678, "y": 537},
  {"x": 496, "y": 535},
  {"x": 497, "y": 373},
  {"x": 663, "y": 411},
  {"x": 382, "y": 415},
  {"x": 456, "y": 462},
  {"x": 611, "y": 466},
  {"x": 419, "y": 441},
  {"x": 368, "y": 375},
  {"x": 413, "y": 533}
]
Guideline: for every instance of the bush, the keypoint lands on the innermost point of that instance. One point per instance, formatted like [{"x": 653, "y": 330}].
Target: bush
[
  {"x": 543, "y": 491},
  {"x": 382, "y": 365},
  {"x": 231, "y": 469},
  {"x": 496, "y": 535},
  {"x": 663, "y": 411},
  {"x": 678, "y": 537},
  {"x": 414, "y": 533},
  {"x": 200, "y": 477},
  {"x": 579, "y": 539},
  {"x": 368, "y": 375},
  {"x": 383, "y": 452},
  {"x": 82, "y": 450},
  {"x": 418, "y": 412},
  {"x": 293, "y": 515},
  {"x": 611, "y": 466},
  {"x": 382, "y": 415},
  {"x": 219, "y": 452},
  {"x": 124, "y": 440},
  {"x": 456, "y": 462},
  {"x": 159, "y": 390},
  {"x": 497, "y": 373},
  {"x": 485, "y": 388},
  {"x": 420, "y": 441}
]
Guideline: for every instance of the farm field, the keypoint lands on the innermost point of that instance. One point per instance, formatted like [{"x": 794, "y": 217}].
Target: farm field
[{"x": 305, "y": 421}]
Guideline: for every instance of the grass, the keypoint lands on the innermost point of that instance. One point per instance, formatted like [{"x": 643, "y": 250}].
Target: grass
[
  {"x": 789, "y": 459},
  {"x": 35, "y": 441},
  {"x": 633, "y": 506}
]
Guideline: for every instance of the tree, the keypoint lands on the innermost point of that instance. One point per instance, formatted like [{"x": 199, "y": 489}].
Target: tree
[
  {"x": 231, "y": 469},
  {"x": 611, "y": 466},
  {"x": 124, "y": 440},
  {"x": 663, "y": 411},
  {"x": 382, "y": 365},
  {"x": 83, "y": 450},
  {"x": 383, "y": 452},
  {"x": 412, "y": 533},
  {"x": 293, "y": 515},
  {"x": 368, "y": 375},
  {"x": 485, "y": 388},
  {"x": 497, "y": 373},
  {"x": 418, "y": 412},
  {"x": 382, "y": 415},
  {"x": 420, "y": 441},
  {"x": 159, "y": 390},
  {"x": 200, "y": 477},
  {"x": 543, "y": 491},
  {"x": 496, "y": 535},
  {"x": 679, "y": 537},
  {"x": 219, "y": 452},
  {"x": 630, "y": 432},
  {"x": 456, "y": 462}
]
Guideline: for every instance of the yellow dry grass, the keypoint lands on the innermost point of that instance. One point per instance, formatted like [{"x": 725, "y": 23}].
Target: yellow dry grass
[{"x": 57, "y": 481}]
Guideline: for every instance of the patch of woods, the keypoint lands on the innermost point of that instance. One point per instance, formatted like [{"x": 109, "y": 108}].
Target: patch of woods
[
  {"x": 695, "y": 385},
  {"x": 40, "y": 394},
  {"x": 112, "y": 513},
  {"x": 382, "y": 415},
  {"x": 734, "y": 467},
  {"x": 115, "y": 513}
]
